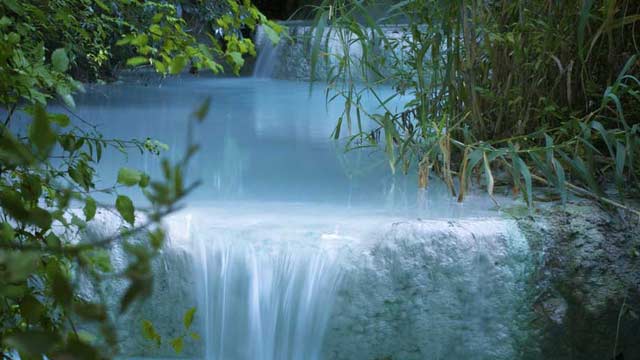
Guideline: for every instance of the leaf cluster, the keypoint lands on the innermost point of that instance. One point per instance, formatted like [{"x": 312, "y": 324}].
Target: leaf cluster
[{"x": 49, "y": 169}]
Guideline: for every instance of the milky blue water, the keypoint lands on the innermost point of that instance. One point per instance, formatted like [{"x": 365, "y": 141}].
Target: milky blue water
[{"x": 263, "y": 140}]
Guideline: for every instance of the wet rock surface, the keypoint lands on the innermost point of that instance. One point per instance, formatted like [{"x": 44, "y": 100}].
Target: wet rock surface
[
  {"x": 586, "y": 289},
  {"x": 432, "y": 290}
]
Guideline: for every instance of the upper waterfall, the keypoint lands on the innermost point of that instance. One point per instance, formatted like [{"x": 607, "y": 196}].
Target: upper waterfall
[
  {"x": 291, "y": 57},
  {"x": 267, "y": 55}
]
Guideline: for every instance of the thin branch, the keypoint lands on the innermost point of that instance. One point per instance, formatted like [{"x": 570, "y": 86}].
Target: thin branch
[
  {"x": 8, "y": 119},
  {"x": 93, "y": 126}
]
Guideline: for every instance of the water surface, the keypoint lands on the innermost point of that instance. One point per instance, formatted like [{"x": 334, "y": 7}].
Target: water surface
[{"x": 263, "y": 141}]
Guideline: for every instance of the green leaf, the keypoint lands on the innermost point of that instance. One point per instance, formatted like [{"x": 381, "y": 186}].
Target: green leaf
[
  {"x": 585, "y": 13},
  {"x": 13, "y": 5},
  {"x": 195, "y": 336},
  {"x": 31, "y": 188},
  {"x": 140, "y": 40},
  {"x": 138, "y": 60},
  {"x": 318, "y": 34},
  {"x": 12, "y": 203},
  {"x": 91, "y": 311},
  {"x": 604, "y": 134},
  {"x": 60, "y": 60},
  {"x": 31, "y": 309},
  {"x": 144, "y": 180},
  {"x": 156, "y": 238},
  {"x": 237, "y": 59},
  {"x": 271, "y": 34},
  {"x": 61, "y": 287},
  {"x": 150, "y": 333},
  {"x": 16, "y": 267},
  {"x": 103, "y": 6},
  {"x": 40, "y": 218},
  {"x": 89, "y": 208},
  {"x": 14, "y": 152},
  {"x": 61, "y": 119},
  {"x": 160, "y": 67},
  {"x": 488, "y": 174},
  {"x": 68, "y": 99},
  {"x": 40, "y": 132},
  {"x": 34, "y": 343},
  {"x": 6, "y": 232},
  {"x": 5, "y": 21},
  {"x": 136, "y": 290},
  {"x": 147, "y": 330},
  {"x": 188, "y": 317},
  {"x": 155, "y": 29},
  {"x": 124, "y": 205},
  {"x": 621, "y": 153},
  {"x": 53, "y": 240},
  {"x": 561, "y": 182},
  {"x": 177, "y": 64},
  {"x": 125, "y": 40},
  {"x": 101, "y": 259},
  {"x": 203, "y": 109},
  {"x": 129, "y": 177},
  {"x": 87, "y": 337},
  {"x": 13, "y": 291},
  {"x": 177, "y": 344},
  {"x": 523, "y": 169}
]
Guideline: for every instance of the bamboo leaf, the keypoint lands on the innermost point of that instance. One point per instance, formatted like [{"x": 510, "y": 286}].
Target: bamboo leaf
[
  {"x": 318, "y": 33},
  {"x": 621, "y": 153},
  {"x": 526, "y": 174},
  {"x": 596, "y": 125},
  {"x": 561, "y": 181},
  {"x": 585, "y": 13},
  {"x": 488, "y": 174},
  {"x": 627, "y": 66}
]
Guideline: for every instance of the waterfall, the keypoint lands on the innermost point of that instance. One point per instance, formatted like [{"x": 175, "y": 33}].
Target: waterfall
[
  {"x": 267, "y": 55},
  {"x": 291, "y": 57},
  {"x": 302, "y": 283},
  {"x": 263, "y": 295}
]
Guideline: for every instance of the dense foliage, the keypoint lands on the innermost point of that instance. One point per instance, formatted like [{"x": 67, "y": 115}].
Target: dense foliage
[
  {"x": 544, "y": 91},
  {"x": 48, "y": 163}
]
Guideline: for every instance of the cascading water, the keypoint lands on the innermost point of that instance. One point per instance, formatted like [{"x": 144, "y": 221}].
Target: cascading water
[
  {"x": 291, "y": 58},
  {"x": 268, "y": 55},
  {"x": 293, "y": 250},
  {"x": 263, "y": 298}
]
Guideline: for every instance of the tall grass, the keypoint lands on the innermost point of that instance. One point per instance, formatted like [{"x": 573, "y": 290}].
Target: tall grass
[{"x": 544, "y": 91}]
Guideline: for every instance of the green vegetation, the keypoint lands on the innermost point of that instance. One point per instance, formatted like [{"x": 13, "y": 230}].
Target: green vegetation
[
  {"x": 544, "y": 92},
  {"x": 47, "y": 175}
]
